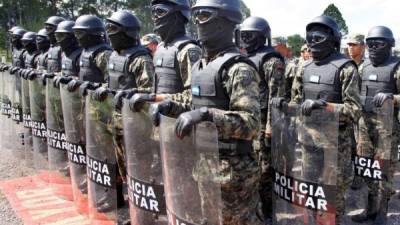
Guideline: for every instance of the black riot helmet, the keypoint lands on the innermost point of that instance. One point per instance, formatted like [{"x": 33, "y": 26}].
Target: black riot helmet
[
  {"x": 12, "y": 29},
  {"x": 54, "y": 20},
  {"x": 51, "y": 25},
  {"x": 182, "y": 6},
  {"x": 328, "y": 22},
  {"x": 42, "y": 40},
  {"x": 229, "y": 9},
  {"x": 19, "y": 32},
  {"x": 127, "y": 22},
  {"x": 65, "y": 36},
  {"x": 89, "y": 30},
  {"x": 254, "y": 32},
  {"x": 16, "y": 37},
  {"x": 29, "y": 41},
  {"x": 381, "y": 32}
]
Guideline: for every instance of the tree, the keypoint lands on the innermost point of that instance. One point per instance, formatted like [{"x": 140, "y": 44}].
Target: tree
[
  {"x": 334, "y": 12},
  {"x": 294, "y": 44}
]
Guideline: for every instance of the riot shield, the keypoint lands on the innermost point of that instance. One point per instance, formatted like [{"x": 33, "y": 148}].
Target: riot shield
[
  {"x": 375, "y": 159},
  {"x": 26, "y": 121},
  {"x": 144, "y": 171},
  {"x": 304, "y": 159},
  {"x": 73, "y": 106},
  {"x": 191, "y": 174},
  {"x": 16, "y": 116},
  {"x": 6, "y": 111},
  {"x": 57, "y": 146},
  {"x": 101, "y": 161},
  {"x": 37, "y": 96},
  {"x": 2, "y": 117}
]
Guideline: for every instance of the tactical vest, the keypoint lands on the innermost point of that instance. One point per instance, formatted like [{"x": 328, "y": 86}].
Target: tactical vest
[
  {"x": 88, "y": 68},
  {"x": 167, "y": 79},
  {"x": 377, "y": 79},
  {"x": 42, "y": 62},
  {"x": 54, "y": 59},
  {"x": 118, "y": 68},
  {"x": 323, "y": 81},
  {"x": 69, "y": 65},
  {"x": 30, "y": 60},
  {"x": 208, "y": 91},
  {"x": 18, "y": 58},
  {"x": 259, "y": 58}
]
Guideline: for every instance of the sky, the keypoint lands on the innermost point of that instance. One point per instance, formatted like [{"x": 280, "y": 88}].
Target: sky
[{"x": 287, "y": 17}]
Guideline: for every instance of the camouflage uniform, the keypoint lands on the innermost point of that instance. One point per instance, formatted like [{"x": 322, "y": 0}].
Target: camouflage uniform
[
  {"x": 101, "y": 60},
  {"x": 239, "y": 174},
  {"x": 368, "y": 130},
  {"x": 142, "y": 68},
  {"x": 274, "y": 74},
  {"x": 349, "y": 112}
]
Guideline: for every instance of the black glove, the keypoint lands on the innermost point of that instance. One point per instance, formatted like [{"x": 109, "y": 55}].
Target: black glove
[
  {"x": 309, "y": 105},
  {"x": 32, "y": 74},
  {"x": 136, "y": 102},
  {"x": 61, "y": 80},
  {"x": 87, "y": 86},
  {"x": 46, "y": 76},
  {"x": 187, "y": 120},
  {"x": 101, "y": 93},
  {"x": 14, "y": 69},
  {"x": 5, "y": 67},
  {"x": 21, "y": 72},
  {"x": 279, "y": 103},
  {"x": 163, "y": 108},
  {"x": 118, "y": 98},
  {"x": 380, "y": 98},
  {"x": 73, "y": 85}
]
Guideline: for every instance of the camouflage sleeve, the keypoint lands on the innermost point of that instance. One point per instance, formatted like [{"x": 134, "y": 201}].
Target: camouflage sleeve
[
  {"x": 350, "y": 110},
  {"x": 242, "y": 121},
  {"x": 101, "y": 60},
  {"x": 143, "y": 69},
  {"x": 397, "y": 95},
  {"x": 297, "y": 86},
  {"x": 190, "y": 54},
  {"x": 274, "y": 73}
]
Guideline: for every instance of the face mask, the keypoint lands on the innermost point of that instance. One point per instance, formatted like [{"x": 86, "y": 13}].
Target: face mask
[
  {"x": 320, "y": 44},
  {"x": 16, "y": 42},
  {"x": 43, "y": 45},
  {"x": 215, "y": 35},
  {"x": 379, "y": 51},
  {"x": 121, "y": 41},
  {"x": 251, "y": 41},
  {"x": 87, "y": 40},
  {"x": 166, "y": 26},
  {"x": 31, "y": 47}
]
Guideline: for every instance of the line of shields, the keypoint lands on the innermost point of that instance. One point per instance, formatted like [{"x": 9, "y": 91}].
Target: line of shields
[{"x": 308, "y": 168}]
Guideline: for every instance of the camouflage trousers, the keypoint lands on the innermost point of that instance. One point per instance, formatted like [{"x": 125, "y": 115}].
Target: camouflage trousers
[
  {"x": 371, "y": 144},
  {"x": 240, "y": 181},
  {"x": 118, "y": 143}
]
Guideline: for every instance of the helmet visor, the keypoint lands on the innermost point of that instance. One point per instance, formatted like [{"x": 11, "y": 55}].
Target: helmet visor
[
  {"x": 61, "y": 36},
  {"x": 316, "y": 37},
  {"x": 248, "y": 36},
  {"x": 50, "y": 28},
  {"x": 112, "y": 28},
  {"x": 160, "y": 10},
  {"x": 376, "y": 44},
  {"x": 204, "y": 15},
  {"x": 79, "y": 34}
]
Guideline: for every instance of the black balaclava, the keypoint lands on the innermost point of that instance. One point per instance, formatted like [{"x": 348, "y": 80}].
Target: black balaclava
[
  {"x": 322, "y": 50},
  {"x": 120, "y": 41},
  {"x": 379, "y": 56},
  {"x": 30, "y": 47},
  {"x": 254, "y": 45},
  {"x": 69, "y": 44},
  {"x": 16, "y": 42},
  {"x": 52, "y": 36},
  {"x": 216, "y": 35},
  {"x": 89, "y": 40},
  {"x": 170, "y": 26},
  {"x": 43, "y": 44}
]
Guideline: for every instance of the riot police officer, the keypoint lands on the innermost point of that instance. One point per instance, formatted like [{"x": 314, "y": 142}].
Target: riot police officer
[
  {"x": 19, "y": 51},
  {"x": 225, "y": 91},
  {"x": 130, "y": 70},
  {"x": 43, "y": 47},
  {"x": 31, "y": 58},
  {"x": 255, "y": 31},
  {"x": 54, "y": 52},
  {"x": 330, "y": 80},
  {"x": 89, "y": 30},
  {"x": 379, "y": 75}
]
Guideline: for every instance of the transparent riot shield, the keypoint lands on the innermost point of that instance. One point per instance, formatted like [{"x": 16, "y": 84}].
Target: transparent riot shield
[
  {"x": 16, "y": 116},
  {"x": 374, "y": 162},
  {"x": 37, "y": 96},
  {"x": 144, "y": 171},
  {"x": 59, "y": 178},
  {"x": 304, "y": 159},
  {"x": 191, "y": 174},
  {"x": 26, "y": 121},
  {"x": 73, "y": 106},
  {"x": 101, "y": 161},
  {"x": 6, "y": 111}
]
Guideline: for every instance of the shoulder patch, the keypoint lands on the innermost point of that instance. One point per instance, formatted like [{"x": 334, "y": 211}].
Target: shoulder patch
[
  {"x": 245, "y": 76},
  {"x": 193, "y": 55}
]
